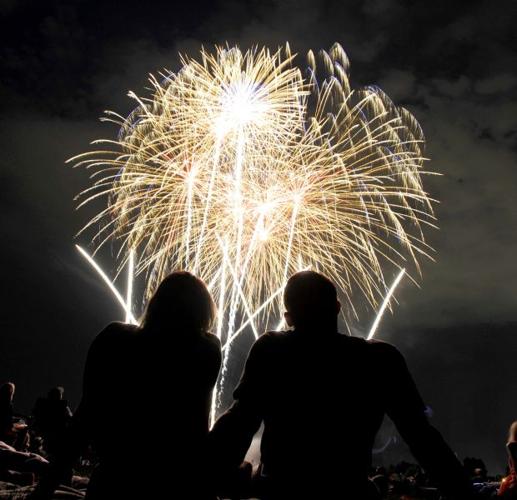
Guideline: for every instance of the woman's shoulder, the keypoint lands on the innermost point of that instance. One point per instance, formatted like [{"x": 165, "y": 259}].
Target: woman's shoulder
[
  {"x": 116, "y": 332},
  {"x": 211, "y": 342},
  {"x": 117, "y": 328}
]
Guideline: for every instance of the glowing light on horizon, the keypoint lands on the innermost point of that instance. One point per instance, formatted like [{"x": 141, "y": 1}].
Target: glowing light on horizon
[{"x": 242, "y": 166}]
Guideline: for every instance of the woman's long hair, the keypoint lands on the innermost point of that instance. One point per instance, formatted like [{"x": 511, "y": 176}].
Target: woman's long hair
[{"x": 181, "y": 302}]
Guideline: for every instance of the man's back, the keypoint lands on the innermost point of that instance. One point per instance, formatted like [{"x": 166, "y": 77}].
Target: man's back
[
  {"x": 322, "y": 400},
  {"x": 318, "y": 410}
]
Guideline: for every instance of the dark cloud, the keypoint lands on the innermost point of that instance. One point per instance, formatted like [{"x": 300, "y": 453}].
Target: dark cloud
[
  {"x": 6, "y": 6},
  {"x": 453, "y": 64},
  {"x": 496, "y": 84}
]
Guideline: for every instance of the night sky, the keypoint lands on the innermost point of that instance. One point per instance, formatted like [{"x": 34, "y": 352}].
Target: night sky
[{"x": 451, "y": 63}]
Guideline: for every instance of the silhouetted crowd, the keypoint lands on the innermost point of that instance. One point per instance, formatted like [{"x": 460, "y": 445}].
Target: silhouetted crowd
[
  {"x": 28, "y": 443},
  {"x": 308, "y": 388},
  {"x": 410, "y": 482}
]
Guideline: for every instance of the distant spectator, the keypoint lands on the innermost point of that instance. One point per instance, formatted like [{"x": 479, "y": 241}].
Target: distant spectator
[
  {"x": 13, "y": 432},
  {"x": 476, "y": 469},
  {"x": 20, "y": 467},
  {"x": 508, "y": 489},
  {"x": 7, "y": 433},
  {"x": 382, "y": 484},
  {"x": 51, "y": 418}
]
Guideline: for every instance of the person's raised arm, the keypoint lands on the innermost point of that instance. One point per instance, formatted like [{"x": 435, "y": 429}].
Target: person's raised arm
[{"x": 407, "y": 411}]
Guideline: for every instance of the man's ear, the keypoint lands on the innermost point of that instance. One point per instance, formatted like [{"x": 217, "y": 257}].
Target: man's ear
[
  {"x": 288, "y": 318},
  {"x": 338, "y": 307}
]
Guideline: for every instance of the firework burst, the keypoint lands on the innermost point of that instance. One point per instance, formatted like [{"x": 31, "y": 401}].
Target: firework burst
[{"x": 243, "y": 168}]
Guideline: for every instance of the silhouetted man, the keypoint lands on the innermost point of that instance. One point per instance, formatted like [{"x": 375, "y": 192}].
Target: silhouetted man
[{"x": 322, "y": 397}]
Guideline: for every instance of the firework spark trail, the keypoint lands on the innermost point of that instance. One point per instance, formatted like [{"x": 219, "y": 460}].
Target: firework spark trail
[
  {"x": 189, "y": 218},
  {"x": 129, "y": 293},
  {"x": 237, "y": 290},
  {"x": 206, "y": 210},
  {"x": 220, "y": 318},
  {"x": 238, "y": 215},
  {"x": 238, "y": 167},
  {"x": 125, "y": 305},
  {"x": 385, "y": 303}
]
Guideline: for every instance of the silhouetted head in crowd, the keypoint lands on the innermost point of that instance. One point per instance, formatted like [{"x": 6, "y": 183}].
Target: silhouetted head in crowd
[
  {"x": 56, "y": 393},
  {"x": 311, "y": 302},
  {"x": 181, "y": 303},
  {"x": 7, "y": 392}
]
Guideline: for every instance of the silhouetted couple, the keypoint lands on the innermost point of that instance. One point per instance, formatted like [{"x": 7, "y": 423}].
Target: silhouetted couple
[{"x": 321, "y": 396}]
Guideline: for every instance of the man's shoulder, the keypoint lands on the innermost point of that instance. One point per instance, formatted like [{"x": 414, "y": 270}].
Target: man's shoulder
[
  {"x": 271, "y": 341},
  {"x": 273, "y": 337},
  {"x": 382, "y": 347},
  {"x": 376, "y": 350},
  {"x": 371, "y": 348},
  {"x": 384, "y": 352}
]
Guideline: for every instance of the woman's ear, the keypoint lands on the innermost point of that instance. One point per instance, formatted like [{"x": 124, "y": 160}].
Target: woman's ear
[{"x": 288, "y": 318}]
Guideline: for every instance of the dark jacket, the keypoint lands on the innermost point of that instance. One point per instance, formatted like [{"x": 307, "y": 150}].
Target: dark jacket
[{"x": 322, "y": 400}]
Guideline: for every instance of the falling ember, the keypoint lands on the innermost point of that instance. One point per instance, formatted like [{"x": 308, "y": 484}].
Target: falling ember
[{"x": 243, "y": 168}]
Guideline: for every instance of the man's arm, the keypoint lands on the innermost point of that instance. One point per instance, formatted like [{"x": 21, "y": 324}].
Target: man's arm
[
  {"x": 233, "y": 432},
  {"x": 407, "y": 411}
]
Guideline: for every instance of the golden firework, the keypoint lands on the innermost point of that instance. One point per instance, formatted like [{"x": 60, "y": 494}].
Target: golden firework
[{"x": 243, "y": 168}]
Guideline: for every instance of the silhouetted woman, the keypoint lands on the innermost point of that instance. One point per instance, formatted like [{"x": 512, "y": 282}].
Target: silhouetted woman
[{"x": 149, "y": 381}]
